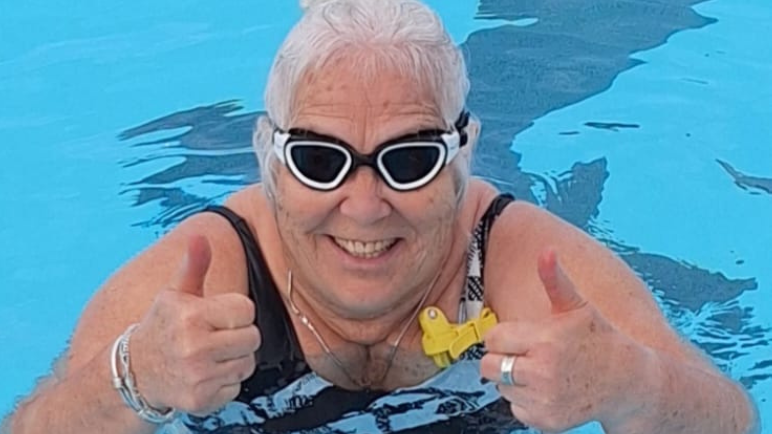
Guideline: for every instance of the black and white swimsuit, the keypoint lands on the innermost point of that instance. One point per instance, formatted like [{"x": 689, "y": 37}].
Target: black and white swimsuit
[{"x": 284, "y": 395}]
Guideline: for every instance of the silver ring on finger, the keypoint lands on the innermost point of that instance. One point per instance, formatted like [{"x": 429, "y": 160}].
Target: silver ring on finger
[{"x": 506, "y": 374}]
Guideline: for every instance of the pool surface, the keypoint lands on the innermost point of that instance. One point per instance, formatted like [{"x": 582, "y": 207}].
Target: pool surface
[{"x": 644, "y": 123}]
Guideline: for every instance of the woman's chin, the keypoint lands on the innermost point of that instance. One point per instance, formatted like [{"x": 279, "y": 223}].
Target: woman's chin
[{"x": 363, "y": 302}]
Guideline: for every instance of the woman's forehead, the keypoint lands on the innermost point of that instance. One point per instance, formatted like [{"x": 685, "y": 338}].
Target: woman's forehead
[
  {"x": 341, "y": 86},
  {"x": 338, "y": 103}
]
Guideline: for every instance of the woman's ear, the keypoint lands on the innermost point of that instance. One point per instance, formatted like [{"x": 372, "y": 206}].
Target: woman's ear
[
  {"x": 473, "y": 131},
  {"x": 261, "y": 136}
]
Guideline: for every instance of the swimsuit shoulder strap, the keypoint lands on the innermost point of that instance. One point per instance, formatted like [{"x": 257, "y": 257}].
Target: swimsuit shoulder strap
[
  {"x": 280, "y": 358},
  {"x": 473, "y": 296}
]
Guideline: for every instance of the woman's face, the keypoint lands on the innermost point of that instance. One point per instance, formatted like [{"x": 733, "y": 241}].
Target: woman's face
[{"x": 363, "y": 248}]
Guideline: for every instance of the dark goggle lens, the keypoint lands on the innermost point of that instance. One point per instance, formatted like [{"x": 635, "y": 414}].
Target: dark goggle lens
[
  {"x": 319, "y": 163},
  {"x": 410, "y": 164}
]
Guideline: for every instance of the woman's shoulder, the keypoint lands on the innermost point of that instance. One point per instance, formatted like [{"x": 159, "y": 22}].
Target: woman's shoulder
[
  {"x": 478, "y": 198},
  {"x": 227, "y": 269},
  {"x": 247, "y": 201},
  {"x": 254, "y": 207}
]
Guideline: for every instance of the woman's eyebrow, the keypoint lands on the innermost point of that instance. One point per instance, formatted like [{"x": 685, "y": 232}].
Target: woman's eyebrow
[
  {"x": 422, "y": 128},
  {"x": 425, "y": 127},
  {"x": 309, "y": 133}
]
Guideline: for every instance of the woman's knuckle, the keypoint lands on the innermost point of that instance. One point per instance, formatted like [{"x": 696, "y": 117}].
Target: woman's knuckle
[
  {"x": 553, "y": 424},
  {"x": 195, "y": 374},
  {"x": 249, "y": 367},
  {"x": 198, "y": 375},
  {"x": 190, "y": 314},
  {"x": 515, "y": 411},
  {"x": 193, "y": 403},
  {"x": 233, "y": 392},
  {"x": 486, "y": 365},
  {"x": 187, "y": 348},
  {"x": 233, "y": 376},
  {"x": 521, "y": 415},
  {"x": 256, "y": 339},
  {"x": 249, "y": 307}
]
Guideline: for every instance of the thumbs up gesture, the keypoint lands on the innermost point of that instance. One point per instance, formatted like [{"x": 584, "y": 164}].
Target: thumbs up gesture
[
  {"x": 568, "y": 368},
  {"x": 191, "y": 352}
]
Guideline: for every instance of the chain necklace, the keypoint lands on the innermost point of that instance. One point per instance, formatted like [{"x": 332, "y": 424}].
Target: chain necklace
[{"x": 392, "y": 353}]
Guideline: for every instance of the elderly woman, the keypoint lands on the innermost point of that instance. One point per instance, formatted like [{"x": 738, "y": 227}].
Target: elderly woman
[{"x": 351, "y": 289}]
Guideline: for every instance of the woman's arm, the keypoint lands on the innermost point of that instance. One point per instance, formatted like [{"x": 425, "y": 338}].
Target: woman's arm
[
  {"x": 82, "y": 401},
  {"x": 677, "y": 397},
  {"x": 79, "y": 397},
  {"x": 650, "y": 379}
]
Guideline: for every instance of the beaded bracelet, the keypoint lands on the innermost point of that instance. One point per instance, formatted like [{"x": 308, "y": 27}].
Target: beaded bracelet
[{"x": 126, "y": 385}]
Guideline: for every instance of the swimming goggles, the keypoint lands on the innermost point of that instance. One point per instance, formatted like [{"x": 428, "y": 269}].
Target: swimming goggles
[{"x": 405, "y": 163}]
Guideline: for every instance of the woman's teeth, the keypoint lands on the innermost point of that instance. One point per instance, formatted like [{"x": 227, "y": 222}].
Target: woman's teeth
[{"x": 362, "y": 249}]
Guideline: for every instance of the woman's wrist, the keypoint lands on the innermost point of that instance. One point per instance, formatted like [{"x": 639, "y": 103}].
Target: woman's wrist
[
  {"x": 637, "y": 400},
  {"x": 125, "y": 383}
]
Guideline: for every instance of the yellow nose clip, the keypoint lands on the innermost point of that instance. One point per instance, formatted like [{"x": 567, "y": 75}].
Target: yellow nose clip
[{"x": 444, "y": 342}]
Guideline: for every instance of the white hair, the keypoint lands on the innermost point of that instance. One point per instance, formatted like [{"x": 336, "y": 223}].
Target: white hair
[{"x": 403, "y": 35}]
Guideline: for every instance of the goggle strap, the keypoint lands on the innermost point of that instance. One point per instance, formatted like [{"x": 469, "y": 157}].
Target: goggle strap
[{"x": 280, "y": 139}]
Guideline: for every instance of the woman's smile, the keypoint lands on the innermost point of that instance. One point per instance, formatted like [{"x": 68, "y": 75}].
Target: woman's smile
[
  {"x": 360, "y": 255},
  {"x": 365, "y": 249}
]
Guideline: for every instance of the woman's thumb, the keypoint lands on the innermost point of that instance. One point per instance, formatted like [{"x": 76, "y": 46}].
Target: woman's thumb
[{"x": 192, "y": 270}]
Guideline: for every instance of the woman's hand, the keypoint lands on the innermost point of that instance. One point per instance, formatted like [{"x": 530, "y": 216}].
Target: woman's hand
[
  {"x": 571, "y": 368},
  {"x": 191, "y": 352}
]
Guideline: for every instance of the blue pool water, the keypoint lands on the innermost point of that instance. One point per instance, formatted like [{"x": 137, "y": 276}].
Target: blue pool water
[{"x": 644, "y": 123}]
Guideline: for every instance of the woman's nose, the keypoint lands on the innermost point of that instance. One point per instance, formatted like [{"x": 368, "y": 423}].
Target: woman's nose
[{"x": 363, "y": 200}]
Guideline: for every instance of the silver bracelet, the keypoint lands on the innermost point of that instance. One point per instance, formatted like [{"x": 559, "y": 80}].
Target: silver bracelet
[{"x": 126, "y": 386}]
